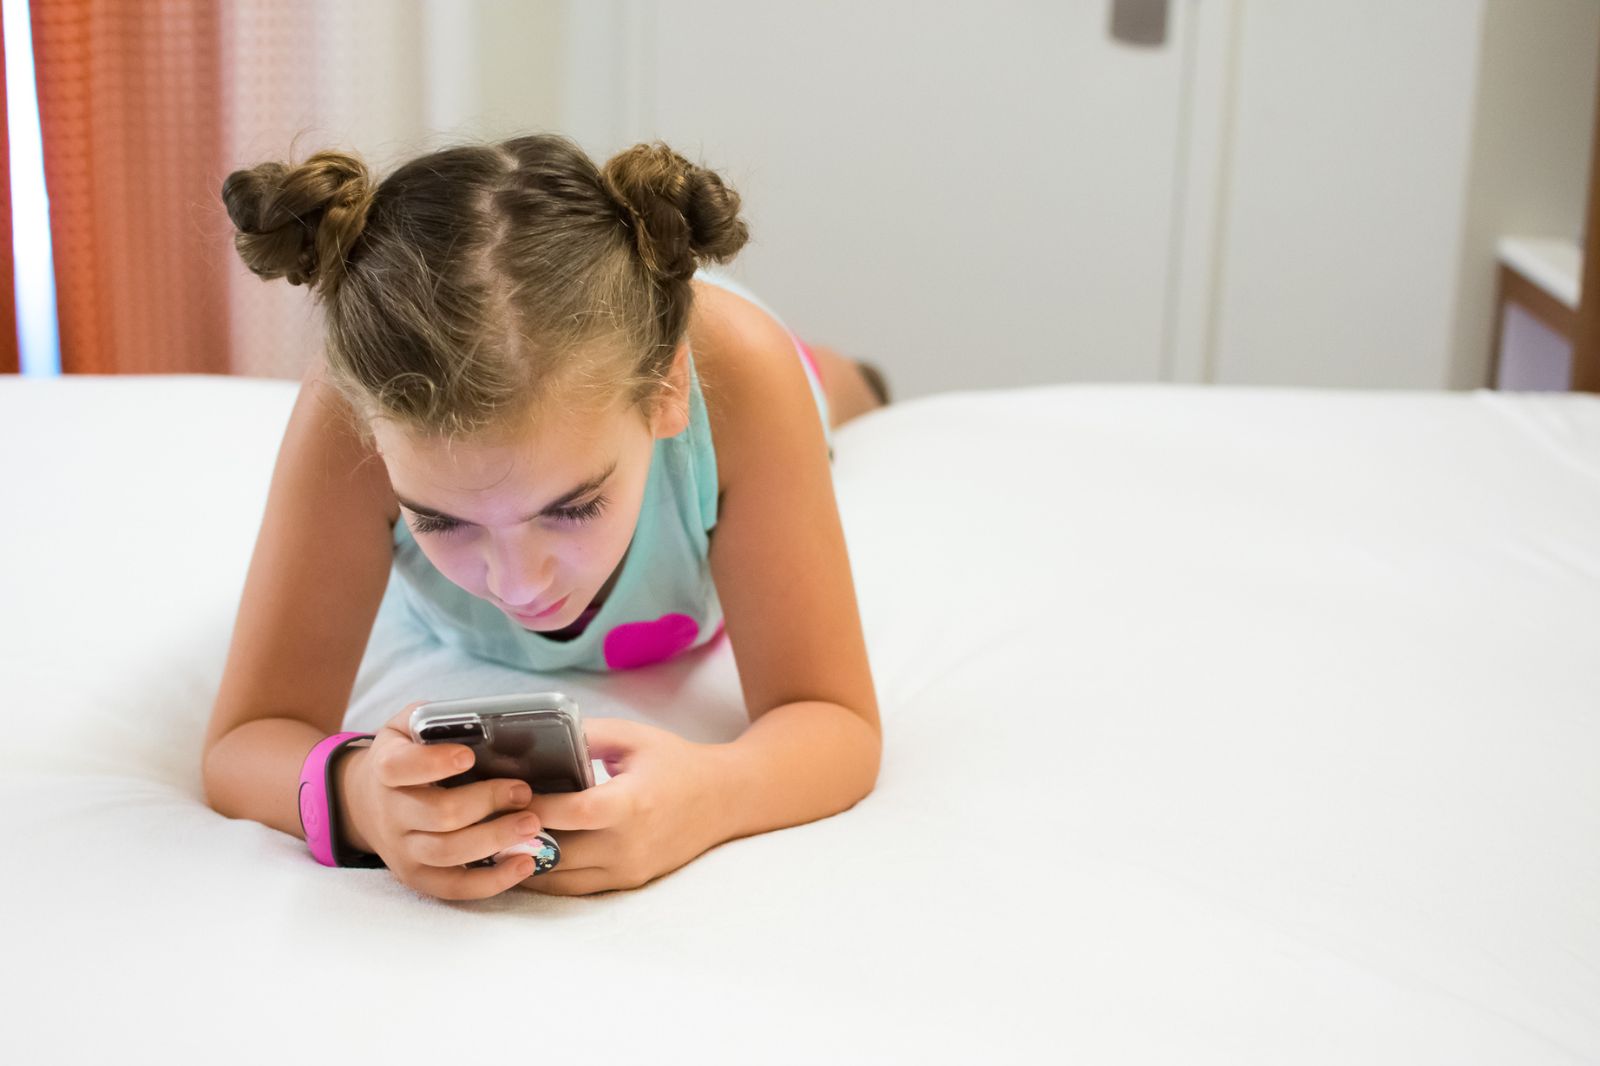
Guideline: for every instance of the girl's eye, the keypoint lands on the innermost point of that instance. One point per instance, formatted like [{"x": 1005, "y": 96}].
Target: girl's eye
[
  {"x": 583, "y": 513},
  {"x": 428, "y": 524}
]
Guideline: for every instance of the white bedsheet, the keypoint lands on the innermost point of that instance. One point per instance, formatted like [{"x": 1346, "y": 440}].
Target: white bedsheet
[{"x": 1220, "y": 726}]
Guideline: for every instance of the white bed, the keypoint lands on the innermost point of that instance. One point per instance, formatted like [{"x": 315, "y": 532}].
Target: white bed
[{"x": 1220, "y": 726}]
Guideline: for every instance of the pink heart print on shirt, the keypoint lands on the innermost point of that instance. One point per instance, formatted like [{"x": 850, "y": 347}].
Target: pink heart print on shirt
[{"x": 635, "y": 644}]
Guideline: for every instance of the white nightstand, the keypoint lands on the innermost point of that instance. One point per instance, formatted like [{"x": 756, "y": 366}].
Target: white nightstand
[{"x": 1540, "y": 280}]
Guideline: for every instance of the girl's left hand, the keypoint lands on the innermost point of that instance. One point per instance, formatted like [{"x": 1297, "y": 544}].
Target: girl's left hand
[{"x": 655, "y": 814}]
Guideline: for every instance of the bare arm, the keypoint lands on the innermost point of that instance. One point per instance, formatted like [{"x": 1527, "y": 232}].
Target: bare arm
[
  {"x": 782, "y": 571},
  {"x": 315, "y": 581},
  {"x": 796, "y": 763}
]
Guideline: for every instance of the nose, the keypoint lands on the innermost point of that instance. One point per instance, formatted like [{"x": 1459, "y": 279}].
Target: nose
[{"x": 518, "y": 575}]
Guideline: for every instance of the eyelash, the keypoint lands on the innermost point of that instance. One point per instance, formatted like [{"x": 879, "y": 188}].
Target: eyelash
[{"x": 579, "y": 514}]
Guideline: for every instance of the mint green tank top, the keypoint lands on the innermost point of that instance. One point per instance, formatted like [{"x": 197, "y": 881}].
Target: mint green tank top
[{"x": 663, "y": 602}]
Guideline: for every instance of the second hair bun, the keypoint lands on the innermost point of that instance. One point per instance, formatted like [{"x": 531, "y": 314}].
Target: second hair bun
[{"x": 680, "y": 213}]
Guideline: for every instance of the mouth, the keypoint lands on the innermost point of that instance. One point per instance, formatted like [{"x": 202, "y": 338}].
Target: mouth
[{"x": 535, "y": 616}]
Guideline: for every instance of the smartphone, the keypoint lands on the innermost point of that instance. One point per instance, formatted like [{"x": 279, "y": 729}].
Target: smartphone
[{"x": 536, "y": 737}]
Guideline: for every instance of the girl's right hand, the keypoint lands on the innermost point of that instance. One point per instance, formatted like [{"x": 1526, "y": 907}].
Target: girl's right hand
[{"x": 425, "y": 832}]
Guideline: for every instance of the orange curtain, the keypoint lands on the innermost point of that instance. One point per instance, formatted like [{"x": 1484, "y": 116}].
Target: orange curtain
[
  {"x": 10, "y": 359},
  {"x": 130, "y": 112}
]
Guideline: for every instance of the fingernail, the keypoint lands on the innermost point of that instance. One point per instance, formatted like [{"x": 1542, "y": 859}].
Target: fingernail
[
  {"x": 528, "y": 826},
  {"x": 521, "y": 795}
]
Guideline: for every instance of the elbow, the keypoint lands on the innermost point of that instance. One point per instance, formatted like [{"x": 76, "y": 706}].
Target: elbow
[
  {"x": 213, "y": 774},
  {"x": 871, "y": 757},
  {"x": 208, "y": 788}
]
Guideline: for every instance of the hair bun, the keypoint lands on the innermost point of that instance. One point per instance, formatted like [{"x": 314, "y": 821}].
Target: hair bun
[
  {"x": 679, "y": 213},
  {"x": 300, "y": 222}
]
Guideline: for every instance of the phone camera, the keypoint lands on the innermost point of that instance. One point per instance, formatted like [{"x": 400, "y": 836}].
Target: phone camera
[{"x": 452, "y": 731}]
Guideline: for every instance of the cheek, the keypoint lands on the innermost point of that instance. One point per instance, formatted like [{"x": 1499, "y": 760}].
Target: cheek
[
  {"x": 459, "y": 560},
  {"x": 597, "y": 551},
  {"x": 613, "y": 543}
]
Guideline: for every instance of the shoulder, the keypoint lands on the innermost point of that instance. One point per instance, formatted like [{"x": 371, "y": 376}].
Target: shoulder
[
  {"x": 750, "y": 377},
  {"x": 329, "y": 426}
]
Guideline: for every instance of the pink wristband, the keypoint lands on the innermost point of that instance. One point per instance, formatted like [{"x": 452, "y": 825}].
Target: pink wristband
[{"x": 319, "y": 817}]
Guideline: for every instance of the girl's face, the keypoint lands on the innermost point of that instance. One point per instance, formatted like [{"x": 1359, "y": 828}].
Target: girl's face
[{"x": 536, "y": 526}]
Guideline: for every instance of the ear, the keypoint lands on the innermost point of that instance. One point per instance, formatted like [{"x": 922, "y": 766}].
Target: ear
[{"x": 671, "y": 415}]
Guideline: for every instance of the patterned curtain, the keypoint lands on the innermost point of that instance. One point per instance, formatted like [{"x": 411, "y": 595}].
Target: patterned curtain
[
  {"x": 130, "y": 118},
  {"x": 145, "y": 107},
  {"x": 10, "y": 351}
]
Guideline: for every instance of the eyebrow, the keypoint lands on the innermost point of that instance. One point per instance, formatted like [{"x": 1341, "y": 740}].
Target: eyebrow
[{"x": 554, "y": 505}]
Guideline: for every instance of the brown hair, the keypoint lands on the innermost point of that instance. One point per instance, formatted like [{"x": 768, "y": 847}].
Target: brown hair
[{"x": 476, "y": 282}]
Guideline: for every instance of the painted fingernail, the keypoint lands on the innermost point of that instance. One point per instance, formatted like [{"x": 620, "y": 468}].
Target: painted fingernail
[{"x": 546, "y": 858}]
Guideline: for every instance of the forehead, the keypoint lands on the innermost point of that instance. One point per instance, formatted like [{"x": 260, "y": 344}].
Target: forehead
[{"x": 555, "y": 444}]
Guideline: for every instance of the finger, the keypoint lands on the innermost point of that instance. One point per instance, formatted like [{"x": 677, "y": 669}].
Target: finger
[
  {"x": 401, "y": 722},
  {"x": 472, "y": 843},
  {"x": 612, "y": 740},
  {"x": 580, "y": 850},
  {"x": 599, "y": 807},
  {"x": 400, "y": 762},
  {"x": 457, "y": 882},
  {"x": 562, "y": 882},
  {"x": 442, "y": 810}
]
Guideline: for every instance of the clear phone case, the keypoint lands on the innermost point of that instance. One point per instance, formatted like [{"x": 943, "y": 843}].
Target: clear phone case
[{"x": 536, "y": 737}]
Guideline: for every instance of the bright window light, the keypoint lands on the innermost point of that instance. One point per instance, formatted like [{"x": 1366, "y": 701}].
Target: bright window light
[{"x": 30, "y": 207}]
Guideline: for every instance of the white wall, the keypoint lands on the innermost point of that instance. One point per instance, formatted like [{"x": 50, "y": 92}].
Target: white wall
[
  {"x": 971, "y": 193},
  {"x": 1352, "y": 130},
  {"x": 496, "y": 67},
  {"x": 1336, "y": 179}
]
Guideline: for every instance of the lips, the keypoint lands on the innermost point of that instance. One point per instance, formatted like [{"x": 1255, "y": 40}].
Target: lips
[{"x": 533, "y": 616}]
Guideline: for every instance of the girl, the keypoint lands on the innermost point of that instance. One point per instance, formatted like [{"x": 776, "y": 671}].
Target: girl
[{"x": 575, "y": 450}]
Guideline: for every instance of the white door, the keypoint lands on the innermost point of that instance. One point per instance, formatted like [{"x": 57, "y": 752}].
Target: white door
[{"x": 972, "y": 194}]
